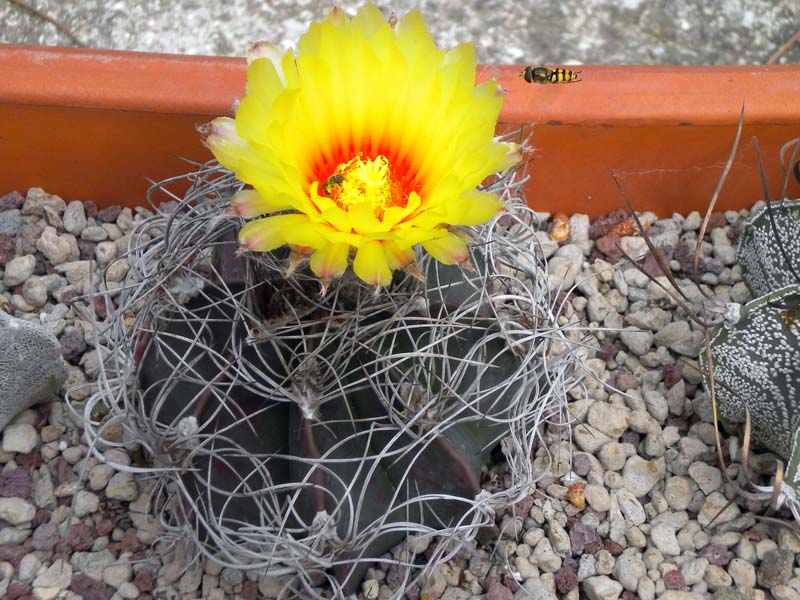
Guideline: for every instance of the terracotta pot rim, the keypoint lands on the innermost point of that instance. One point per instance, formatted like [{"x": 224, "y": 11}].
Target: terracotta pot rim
[{"x": 629, "y": 95}]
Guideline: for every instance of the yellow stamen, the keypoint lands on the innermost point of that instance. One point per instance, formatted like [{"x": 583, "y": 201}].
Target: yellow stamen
[{"x": 368, "y": 182}]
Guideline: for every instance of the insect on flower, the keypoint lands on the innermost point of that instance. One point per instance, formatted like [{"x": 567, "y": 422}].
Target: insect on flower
[
  {"x": 331, "y": 182},
  {"x": 548, "y": 75}
]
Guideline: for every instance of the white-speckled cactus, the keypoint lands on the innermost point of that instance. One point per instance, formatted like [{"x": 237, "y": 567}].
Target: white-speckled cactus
[{"x": 756, "y": 358}]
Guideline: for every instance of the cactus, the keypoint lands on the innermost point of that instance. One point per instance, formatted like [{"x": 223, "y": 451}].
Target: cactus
[
  {"x": 756, "y": 366},
  {"x": 308, "y": 435},
  {"x": 756, "y": 351},
  {"x": 769, "y": 246}
]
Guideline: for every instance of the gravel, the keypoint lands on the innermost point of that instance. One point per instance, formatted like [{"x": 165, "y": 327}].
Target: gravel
[{"x": 642, "y": 509}]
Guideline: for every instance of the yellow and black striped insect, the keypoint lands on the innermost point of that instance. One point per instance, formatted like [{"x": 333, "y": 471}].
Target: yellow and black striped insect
[
  {"x": 333, "y": 180},
  {"x": 548, "y": 75}
]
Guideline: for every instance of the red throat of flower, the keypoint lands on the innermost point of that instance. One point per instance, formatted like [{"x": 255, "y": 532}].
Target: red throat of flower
[{"x": 373, "y": 181}]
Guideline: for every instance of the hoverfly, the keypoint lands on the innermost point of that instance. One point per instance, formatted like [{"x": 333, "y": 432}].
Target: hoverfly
[
  {"x": 331, "y": 181},
  {"x": 548, "y": 75}
]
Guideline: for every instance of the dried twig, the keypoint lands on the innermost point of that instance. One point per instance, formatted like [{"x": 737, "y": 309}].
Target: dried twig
[
  {"x": 784, "y": 49},
  {"x": 53, "y": 21}
]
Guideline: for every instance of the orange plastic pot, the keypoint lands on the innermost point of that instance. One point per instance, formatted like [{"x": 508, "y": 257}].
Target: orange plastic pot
[{"x": 96, "y": 124}]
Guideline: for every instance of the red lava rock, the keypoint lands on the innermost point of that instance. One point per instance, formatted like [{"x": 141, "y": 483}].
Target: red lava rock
[
  {"x": 73, "y": 345},
  {"x": 115, "y": 548},
  {"x": 607, "y": 350},
  {"x": 584, "y": 538},
  {"x": 671, "y": 374},
  {"x": 42, "y": 266},
  {"x": 86, "y": 249},
  {"x": 8, "y": 248},
  {"x": 249, "y": 590},
  {"x": 691, "y": 388},
  {"x": 69, "y": 296},
  {"x": 17, "y": 590},
  {"x": 716, "y": 220},
  {"x": 144, "y": 581},
  {"x": 614, "y": 549},
  {"x": 497, "y": 591},
  {"x": 608, "y": 245},
  {"x": 33, "y": 459},
  {"x": 679, "y": 422},
  {"x": 61, "y": 471},
  {"x": 581, "y": 464},
  {"x": 42, "y": 516},
  {"x": 80, "y": 536},
  {"x": 522, "y": 507},
  {"x": 11, "y": 200},
  {"x": 129, "y": 542},
  {"x": 566, "y": 580},
  {"x": 629, "y": 595},
  {"x": 104, "y": 527},
  {"x": 651, "y": 266},
  {"x": 511, "y": 583},
  {"x": 673, "y": 580},
  {"x": 100, "y": 308},
  {"x": 109, "y": 214},
  {"x": 89, "y": 588},
  {"x": 15, "y": 483},
  {"x": 624, "y": 380},
  {"x": 45, "y": 537},
  {"x": 601, "y": 225},
  {"x": 14, "y": 554},
  {"x": 90, "y": 208},
  {"x": 630, "y": 437},
  {"x": 716, "y": 554}
]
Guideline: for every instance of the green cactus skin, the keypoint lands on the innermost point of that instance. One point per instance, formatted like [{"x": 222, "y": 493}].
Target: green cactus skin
[
  {"x": 348, "y": 432},
  {"x": 763, "y": 263},
  {"x": 757, "y": 364}
]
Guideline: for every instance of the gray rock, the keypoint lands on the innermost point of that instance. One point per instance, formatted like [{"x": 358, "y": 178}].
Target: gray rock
[
  {"x": 653, "y": 319},
  {"x": 602, "y": 588},
  {"x": 608, "y": 419},
  {"x": 21, "y": 438},
  {"x": 776, "y": 568},
  {"x": 640, "y": 476},
  {"x": 713, "y": 505},
  {"x": 122, "y": 486},
  {"x": 28, "y": 567},
  {"x": 663, "y": 537},
  {"x": 74, "y": 218},
  {"x": 34, "y": 290},
  {"x": 31, "y": 367},
  {"x": 105, "y": 252},
  {"x": 707, "y": 478},
  {"x": 56, "y": 248},
  {"x": 94, "y": 233},
  {"x": 630, "y": 507},
  {"x": 742, "y": 572},
  {"x": 11, "y": 222},
  {"x": 85, "y": 503},
  {"x": 53, "y": 581},
  {"x": 693, "y": 570},
  {"x": 92, "y": 563},
  {"x": 16, "y": 511},
  {"x": 671, "y": 333},
  {"x": 597, "y": 308},
  {"x": 678, "y": 492},
  {"x": 628, "y": 569},
  {"x": 636, "y": 340},
  {"x": 19, "y": 269}
]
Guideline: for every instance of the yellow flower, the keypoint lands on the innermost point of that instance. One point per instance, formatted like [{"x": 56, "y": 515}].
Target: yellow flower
[{"x": 370, "y": 140}]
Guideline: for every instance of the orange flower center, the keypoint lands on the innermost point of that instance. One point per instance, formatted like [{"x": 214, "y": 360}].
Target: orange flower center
[{"x": 365, "y": 181}]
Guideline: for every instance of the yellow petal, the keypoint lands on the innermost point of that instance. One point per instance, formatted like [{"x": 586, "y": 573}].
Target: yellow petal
[
  {"x": 449, "y": 249},
  {"x": 249, "y": 203},
  {"x": 330, "y": 260},
  {"x": 264, "y": 235},
  {"x": 396, "y": 257},
  {"x": 371, "y": 266}
]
